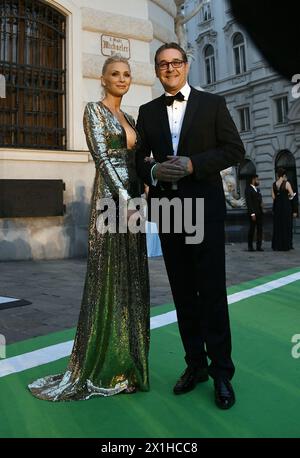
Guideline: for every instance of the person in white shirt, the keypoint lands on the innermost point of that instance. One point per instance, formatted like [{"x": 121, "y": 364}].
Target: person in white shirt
[{"x": 192, "y": 137}]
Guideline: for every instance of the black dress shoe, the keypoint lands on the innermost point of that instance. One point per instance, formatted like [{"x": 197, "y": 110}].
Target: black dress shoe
[
  {"x": 260, "y": 249},
  {"x": 224, "y": 394},
  {"x": 250, "y": 249},
  {"x": 189, "y": 379}
]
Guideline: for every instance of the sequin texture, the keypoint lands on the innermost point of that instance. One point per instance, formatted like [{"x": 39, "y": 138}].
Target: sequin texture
[{"x": 111, "y": 345}]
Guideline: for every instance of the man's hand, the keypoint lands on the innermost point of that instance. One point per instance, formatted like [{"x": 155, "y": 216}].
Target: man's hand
[
  {"x": 185, "y": 162},
  {"x": 253, "y": 217},
  {"x": 170, "y": 171}
]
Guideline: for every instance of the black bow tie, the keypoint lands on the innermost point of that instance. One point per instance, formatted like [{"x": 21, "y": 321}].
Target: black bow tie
[{"x": 170, "y": 98}]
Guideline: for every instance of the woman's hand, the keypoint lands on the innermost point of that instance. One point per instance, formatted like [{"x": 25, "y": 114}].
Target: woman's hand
[{"x": 130, "y": 213}]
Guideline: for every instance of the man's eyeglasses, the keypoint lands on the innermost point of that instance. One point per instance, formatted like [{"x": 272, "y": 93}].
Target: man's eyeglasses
[{"x": 165, "y": 65}]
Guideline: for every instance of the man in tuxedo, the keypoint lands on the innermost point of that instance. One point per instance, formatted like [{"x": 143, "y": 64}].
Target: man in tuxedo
[
  {"x": 192, "y": 138},
  {"x": 255, "y": 213}
]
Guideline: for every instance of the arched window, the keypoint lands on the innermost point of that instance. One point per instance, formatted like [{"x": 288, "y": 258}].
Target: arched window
[
  {"x": 286, "y": 160},
  {"x": 210, "y": 66},
  {"x": 238, "y": 43},
  {"x": 32, "y": 59},
  {"x": 245, "y": 171}
]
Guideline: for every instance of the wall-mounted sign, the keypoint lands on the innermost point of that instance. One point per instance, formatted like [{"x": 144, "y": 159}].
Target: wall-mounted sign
[{"x": 113, "y": 45}]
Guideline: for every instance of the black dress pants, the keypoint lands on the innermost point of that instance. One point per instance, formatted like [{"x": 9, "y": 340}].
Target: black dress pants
[
  {"x": 197, "y": 279},
  {"x": 258, "y": 224}
]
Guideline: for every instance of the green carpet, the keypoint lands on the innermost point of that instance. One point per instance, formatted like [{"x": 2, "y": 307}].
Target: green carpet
[{"x": 267, "y": 383}]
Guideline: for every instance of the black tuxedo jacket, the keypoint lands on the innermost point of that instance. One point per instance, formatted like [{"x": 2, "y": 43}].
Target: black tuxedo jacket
[
  {"x": 253, "y": 201},
  {"x": 208, "y": 137}
]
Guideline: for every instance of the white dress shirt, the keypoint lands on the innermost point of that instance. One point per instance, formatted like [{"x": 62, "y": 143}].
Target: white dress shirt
[{"x": 176, "y": 113}]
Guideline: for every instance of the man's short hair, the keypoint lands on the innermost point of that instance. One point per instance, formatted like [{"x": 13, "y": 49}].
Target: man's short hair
[
  {"x": 172, "y": 45},
  {"x": 251, "y": 177}
]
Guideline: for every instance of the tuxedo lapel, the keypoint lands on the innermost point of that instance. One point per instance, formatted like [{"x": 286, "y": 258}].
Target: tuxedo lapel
[
  {"x": 163, "y": 121},
  {"x": 192, "y": 105}
]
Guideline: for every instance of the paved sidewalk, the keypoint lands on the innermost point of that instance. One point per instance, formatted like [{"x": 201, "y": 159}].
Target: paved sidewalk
[{"x": 54, "y": 288}]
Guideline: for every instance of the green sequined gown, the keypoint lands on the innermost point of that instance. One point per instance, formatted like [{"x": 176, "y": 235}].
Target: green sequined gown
[{"x": 111, "y": 345}]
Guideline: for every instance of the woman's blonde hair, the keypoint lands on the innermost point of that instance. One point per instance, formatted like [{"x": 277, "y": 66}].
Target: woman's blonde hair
[{"x": 112, "y": 60}]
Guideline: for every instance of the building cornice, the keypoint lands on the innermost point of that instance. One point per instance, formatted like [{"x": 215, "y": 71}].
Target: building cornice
[
  {"x": 247, "y": 85},
  {"x": 167, "y": 5},
  {"x": 163, "y": 34},
  {"x": 15, "y": 154},
  {"x": 229, "y": 25},
  {"x": 210, "y": 35},
  {"x": 116, "y": 24}
]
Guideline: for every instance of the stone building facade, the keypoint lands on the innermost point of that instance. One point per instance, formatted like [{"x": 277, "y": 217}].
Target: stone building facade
[
  {"x": 263, "y": 105},
  {"x": 138, "y": 27}
]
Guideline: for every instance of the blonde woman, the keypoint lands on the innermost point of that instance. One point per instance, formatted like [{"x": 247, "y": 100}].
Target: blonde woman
[{"x": 110, "y": 352}]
